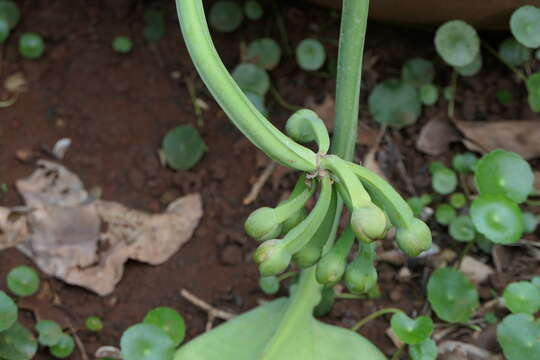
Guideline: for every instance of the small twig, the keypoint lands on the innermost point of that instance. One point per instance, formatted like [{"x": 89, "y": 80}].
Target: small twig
[
  {"x": 398, "y": 352},
  {"x": 510, "y": 66},
  {"x": 279, "y": 99},
  {"x": 194, "y": 100},
  {"x": 374, "y": 315},
  {"x": 256, "y": 188},
  {"x": 78, "y": 342},
  {"x": 287, "y": 275},
  {"x": 212, "y": 312}
]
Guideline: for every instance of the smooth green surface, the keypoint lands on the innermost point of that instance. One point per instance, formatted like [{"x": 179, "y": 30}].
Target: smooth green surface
[
  {"x": 465, "y": 162},
  {"x": 429, "y": 94},
  {"x": 451, "y": 295},
  {"x": 513, "y": 52},
  {"x": 168, "y": 320},
  {"x": 533, "y": 87},
  {"x": 395, "y": 103},
  {"x": 411, "y": 331},
  {"x": 462, "y": 229},
  {"x": 310, "y": 54},
  {"x": 146, "y": 342},
  {"x": 17, "y": 343},
  {"x": 497, "y": 218},
  {"x": 424, "y": 351},
  {"x": 472, "y": 68},
  {"x": 49, "y": 332},
  {"x": 225, "y": 16},
  {"x": 11, "y": 11},
  {"x": 64, "y": 348},
  {"x": 264, "y": 52},
  {"x": 504, "y": 173},
  {"x": 8, "y": 311},
  {"x": 269, "y": 284},
  {"x": 525, "y": 25},
  {"x": 418, "y": 71},
  {"x": 458, "y": 200},
  {"x": 183, "y": 147},
  {"x": 93, "y": 323},
  {"x": 444, "y": 214},
  {"x": 443, "y": 180},
  {"x": 457, "y": 43},
  {"x": 122, "y": 44},
  {"x": 519, "y": 337},
  {"x": 253, "y": 10},
  {"x": 522, "y": 297},
  {"x": 23, "y": 281},
  {"x": 530, "y": 222},
  {"x": 31, "y": 45},
  {"x": 250, "y": 77}
]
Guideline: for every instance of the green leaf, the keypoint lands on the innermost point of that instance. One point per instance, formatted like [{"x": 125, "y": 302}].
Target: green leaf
[
  {"x": 146, "y": 342},
  {"x": 225, "y": 16},
  {"x": 31, "y": 45},
  {"x": 418, "y": 203},
  {"x": 483, "y": 243},
  {"x": 530, "y": 222},
  {"x": 462, "y": 229},
  {"x": 504, "y": 173},
  {"x": 183, "y": 147},
  {"x": 522, "y": 297},
  {"x": 458, "y": 200},
  {"x": 444, "y": 214},
  {"x": 451, "y": 295},
  {"x": 324, "y": 307},
  {"x": 429, "y": 94},
  {"x": 519, "y": 337},
  {"x": 536, "y": 281},
  {"x": 246, "y": 337},
  {"x": 264, "y": 52},
  {"x": 269, "y": 284},
  {"x": 499, "y": 219},
  {"x": 63, "y": 348},
  {"x": 395, "y": 103},
  {"x": 504, "y": 96},
  {"x": 253, "y": 10},
  {"x": 424, "y": 351},
  {"x": 444, "y": 181},
  {"x": 310, "y": 54},
  {"x": 168, "y": 320},
  {"x": 418, "y": 71},
  {"x": 513, "y": 52},
  {"x": 533, "y": 87},
  {"x": 8, "y": 311},
  {"x": 11, "y": 11},
  {"x": 525, "y": 26},
  {"x": 122, "y": 44},
  {"x": 472, "y": 68},
  {"x": 4, "y": 28},
  {"x": 94, "y": 323},
  {"x": 464, "y": 163},
  {"x": 457, "y": 43},
  {"x": 49, "y": 332},
  {"x": 251, "y": 78},
  {"x": 17, "y": 343},
  {"x": 23, "y": 281},
  {"x": 411, "y": 331}
]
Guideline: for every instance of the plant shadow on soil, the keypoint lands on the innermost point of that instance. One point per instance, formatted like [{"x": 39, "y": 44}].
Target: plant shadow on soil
[{"x": 116, "y": 109}]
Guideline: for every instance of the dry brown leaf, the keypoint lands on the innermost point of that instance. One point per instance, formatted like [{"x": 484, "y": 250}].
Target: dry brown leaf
[
  {"x": 326, "y": 110},
  {"x": 13, "y": 228},
  {"x": 475, "y": 270},
  {"x": 65, "y": 230},
  {"x": 370, "y": 163},
  {"x": 519, "y": 136},
  {"x": 436, "y": 136},
  {"x": 457, "y": 350}
]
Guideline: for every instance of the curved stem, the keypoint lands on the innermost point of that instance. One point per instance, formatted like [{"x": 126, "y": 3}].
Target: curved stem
[
  {"x": 230, "y": 97},
  {"x": 375, "y": 315},
  {"x": 510, "y": 66}
]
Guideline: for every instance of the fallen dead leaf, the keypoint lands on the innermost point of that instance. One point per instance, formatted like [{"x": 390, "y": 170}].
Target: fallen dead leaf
[
  {"x": 519, "y": 136},
  {"x": 370, "y": 163},
  {"x": 457, "y": 350},
  {"x": 475, "y": 270},
  {"x": 86, "y": 241},
  {"x": 436, "y": 136}
]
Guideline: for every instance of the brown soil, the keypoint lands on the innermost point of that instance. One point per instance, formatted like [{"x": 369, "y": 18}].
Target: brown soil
[{"x": 116, "y": 110}]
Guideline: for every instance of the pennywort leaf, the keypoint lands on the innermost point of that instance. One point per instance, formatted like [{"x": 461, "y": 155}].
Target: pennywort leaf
[
  {"x": 429, "y": 94},
  {"x": 310, "y": 54},
  {"x": 23, "y": 281},
  {"x": 63, "y": 348},
  {"x": 253, "y": 10},
  {"x": 418, "y": 71},
  {"x": 146, "y": 342},
  {"x": 17, "y": 343},
  {"x": 525, "y": 26},
  {"x": 8, "y": 311},
  {"x": 519, "y": 337},
  {"x": 251, "y": 78},
  {"x": 522, "y": 297},
  {"x": 462, "y": 229},
  {"x": 225, "y": 16},
  {"x": 457, "y": 43},
  {"x": 168, "y": 320},
  {"x": 427, "y": 350},
  {"x": 497, "y": 218},
  {"x": 443, "y": 180},
  {"x": 264, "y": 52},
  {"x": 49, "y": 332},
  {"x": 444, "y": 214},
  {"x": 411, "y": 331},
  {"x": 513, "y": 52},
  {"x": 464, "y": 163},
  {"x": 183, "y": 147},
  {"x": 395, "y": 103}
]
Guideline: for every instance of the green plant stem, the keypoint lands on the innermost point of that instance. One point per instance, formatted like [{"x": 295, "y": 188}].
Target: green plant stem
[
  {"x": 287, "y": 275},
  {"x": 350, "y": 296},
  {"x": 464, "y": 253},
  {"x": 375, "y": 315},
  {"x": 508, "y": 65},
  {"x": 452, "y": 103},
  {"x": 398, "y": 352},
  {"x": 533, "y": 202},
  {"x": 279, "y": 99}
]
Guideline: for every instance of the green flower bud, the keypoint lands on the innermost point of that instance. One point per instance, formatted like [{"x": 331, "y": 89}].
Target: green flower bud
[
  {"x": 307, "y": 256},
  {"x": 330, "y": 269},
  {"x": 261, "y": 223},
  {"x": 294, "y": 220},
  {"x": 271, "y": 257},
  {"x": 369, "y": 223},
  {"x": 360, "y": 276},
  {"x": 274, "y": 233},
  {"x": 415, "y": 238}
]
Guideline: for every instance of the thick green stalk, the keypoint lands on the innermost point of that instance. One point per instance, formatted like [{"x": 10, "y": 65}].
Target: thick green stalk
[{"x": 230, "y": 97}]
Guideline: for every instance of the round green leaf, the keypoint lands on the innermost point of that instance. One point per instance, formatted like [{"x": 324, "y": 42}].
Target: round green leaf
[
  {"x": 451, "y": 295},
  {"x": 458, "y": 200},
  {"x": 457, "y": 43},
  {"x": 464, "y": 163},
  {"x": 168, "y": 320},
  {"x": 253, "y": 10},
  {"x": 462, "y": 229},
  {"x": 418, "y": 203},
  {"x": 418, "y": 71},
  {"x": 444, "y": 214},
  {"x": 522, "y": 297},
  {"x": 471, "y": 68},
  {"x": 504, "y": 96},
  {"x": 146, "y": 342},
  {"x": 252, "y": 78},
  {"x": 17, "y": 343},
  {"x": 310, "y": 54},
  {"x": 499, "y": 219},
  {"x": 395, "y": 103},
  {"x": 63, "y": 348},
  {"x": 424, "y": 351},
  {"x": 8, "y": 311},
  {"x": 258, "y": 101},
  {"x": 519, "y": 337},
  {"x": 530, "y": 222},
  {"x": 264, "y": 52},
  {"x": 122, "y": 44},
  {"x": 505, "y": 173},
  {"x": 483, "y": 243},
  {"x": 444, "y": 181},
  {"x": 31, "y": 45},
  {"x": 4, "y": 28},
  {"x": 269, "y": 284},
  {"x": 23, "y": 281},
  {"x": 226, "y": 16},
  {"x": 525, "y": 26},
  {"x": 94, "y": 323},
  {"x": 533, "y": 87},
  {"x": 429, "y": 94},
  {"x": 49, "y": 332},
  {"x": 411, "y": 331},
  {"x": 183, "y": 147},
  {"x": 513, "y": 52},
  {"x": 11, "y": 11}
]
